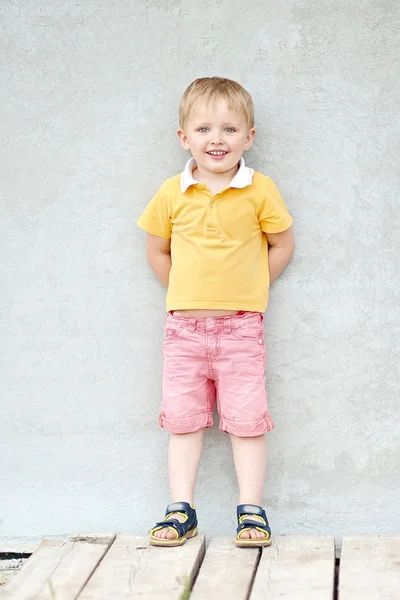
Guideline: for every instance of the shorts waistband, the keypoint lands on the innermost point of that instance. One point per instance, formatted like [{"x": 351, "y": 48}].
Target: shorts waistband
[{"x": 226, "y": 323}]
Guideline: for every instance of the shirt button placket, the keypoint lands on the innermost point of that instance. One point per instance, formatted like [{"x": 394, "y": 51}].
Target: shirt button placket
[{"x": 211, "y": 215}]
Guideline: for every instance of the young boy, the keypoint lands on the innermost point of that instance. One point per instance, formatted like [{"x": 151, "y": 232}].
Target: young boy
[{"x": 217, "y": 235}]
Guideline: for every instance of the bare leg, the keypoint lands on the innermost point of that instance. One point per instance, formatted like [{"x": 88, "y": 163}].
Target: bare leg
[
  {"x": 183, "y": 461},
  {"x": 250, "y": 457}
]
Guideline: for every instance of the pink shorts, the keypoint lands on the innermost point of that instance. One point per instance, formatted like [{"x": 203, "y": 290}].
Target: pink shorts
[{"x": 215, "y": 359}]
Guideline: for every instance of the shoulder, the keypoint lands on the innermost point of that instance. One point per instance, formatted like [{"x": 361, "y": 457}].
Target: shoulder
[
  {"x": 261, "y": 180},
  {"x": 267, "y": 194},
  {"x": 170, "y": 185},
  {"x": 261, "y": 186}
]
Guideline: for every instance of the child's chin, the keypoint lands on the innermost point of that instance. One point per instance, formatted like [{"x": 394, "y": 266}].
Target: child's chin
[{"x": 224, "y": 165}]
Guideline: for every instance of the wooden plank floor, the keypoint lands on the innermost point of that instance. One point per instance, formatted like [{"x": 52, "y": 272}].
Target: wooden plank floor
[
  {"x": 133, "y": 568},
  {"x": 121, "y": 567},
  {"x": 59, "y": 570},
  {"x": 296, "y": 566},
  {"x": 370, "y": 567},
  {"x": 226, "y": 572}
]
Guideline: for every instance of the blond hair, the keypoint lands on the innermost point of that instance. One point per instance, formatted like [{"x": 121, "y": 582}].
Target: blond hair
[{"x": 216, "y": 88}]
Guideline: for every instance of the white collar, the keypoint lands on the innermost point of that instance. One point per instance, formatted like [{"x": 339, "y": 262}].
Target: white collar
[{"x": 242, "y": 178}]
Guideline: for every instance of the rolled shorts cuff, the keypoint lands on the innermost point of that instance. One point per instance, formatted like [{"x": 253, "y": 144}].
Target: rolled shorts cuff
[
  {"x": 187, "y": 424},
  {"x": 247, "y": 428}
]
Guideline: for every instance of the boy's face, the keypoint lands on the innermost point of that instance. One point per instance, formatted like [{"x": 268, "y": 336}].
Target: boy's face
[{"x": 216, "y": 136}]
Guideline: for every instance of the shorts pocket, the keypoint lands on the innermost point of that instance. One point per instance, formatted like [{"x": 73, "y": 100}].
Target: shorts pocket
[
  {"x": 172, "y": 331},
  {"x": 250, "y": 332}
]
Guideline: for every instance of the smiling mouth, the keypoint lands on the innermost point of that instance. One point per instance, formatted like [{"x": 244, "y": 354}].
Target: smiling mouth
[{"x": 217, "y": 152}]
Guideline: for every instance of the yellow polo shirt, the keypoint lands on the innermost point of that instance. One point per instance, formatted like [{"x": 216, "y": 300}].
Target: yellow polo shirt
[{"x": 218, "y": 248}]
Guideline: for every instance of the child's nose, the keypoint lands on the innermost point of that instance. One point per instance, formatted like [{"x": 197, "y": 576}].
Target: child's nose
[{"x": 216, "y": 138}]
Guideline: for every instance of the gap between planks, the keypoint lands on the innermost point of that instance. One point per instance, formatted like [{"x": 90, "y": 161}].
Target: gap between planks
[
  {"x": 370, "y": 567},
  {"x": 301, "y": 567},
  {"x": 135, "y": 568},
  {"x": 59, "y": 570},
  {"x": 297, "y": 567}
]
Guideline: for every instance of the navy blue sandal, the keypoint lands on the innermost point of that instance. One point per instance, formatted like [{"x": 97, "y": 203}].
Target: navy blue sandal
[
  {"x": 251, "y": 516},
  {"x": 182, "y": 531}
]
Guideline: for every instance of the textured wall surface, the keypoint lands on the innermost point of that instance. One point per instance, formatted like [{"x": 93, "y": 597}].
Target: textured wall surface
[{"x": 89, "y": 113}]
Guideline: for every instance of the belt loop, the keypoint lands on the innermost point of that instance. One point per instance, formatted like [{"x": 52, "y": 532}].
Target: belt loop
[{"x": 193, "y": 325}]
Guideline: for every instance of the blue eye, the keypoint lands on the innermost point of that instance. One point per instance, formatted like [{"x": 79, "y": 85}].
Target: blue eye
[
  {"x": 230, "y": 129},
  {"x": 202, "y": 129}
]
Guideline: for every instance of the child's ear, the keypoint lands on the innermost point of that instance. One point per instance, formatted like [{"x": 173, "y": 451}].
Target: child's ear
[
  {"x": 249, "y": 138},
  {"x": 183, "y": 139}
]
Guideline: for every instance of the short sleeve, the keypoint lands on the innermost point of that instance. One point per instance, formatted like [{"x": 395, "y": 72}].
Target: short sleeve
[
  {"x": 274, "y": 216},
  {"x": 156, "y": 218}
]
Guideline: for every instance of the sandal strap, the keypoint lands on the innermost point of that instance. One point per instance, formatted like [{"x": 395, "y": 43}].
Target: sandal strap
[
  {"x": 169, "y": 523},
  {"x": 250, "y": 509},
  {"x": 180, "y": 528},
  {"x": 244, "y": 514},
  {"x": 179, "y": 507},
  {"x": 251, "y": 524}
]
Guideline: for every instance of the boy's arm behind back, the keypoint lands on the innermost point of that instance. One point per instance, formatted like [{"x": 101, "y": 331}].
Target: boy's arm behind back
[
  {"x": 159, "y": 256},
  {"x": 281, "y": 248}
]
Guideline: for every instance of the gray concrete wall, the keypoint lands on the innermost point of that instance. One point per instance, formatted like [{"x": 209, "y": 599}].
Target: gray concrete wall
[{"x": 89, "y": 112}]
